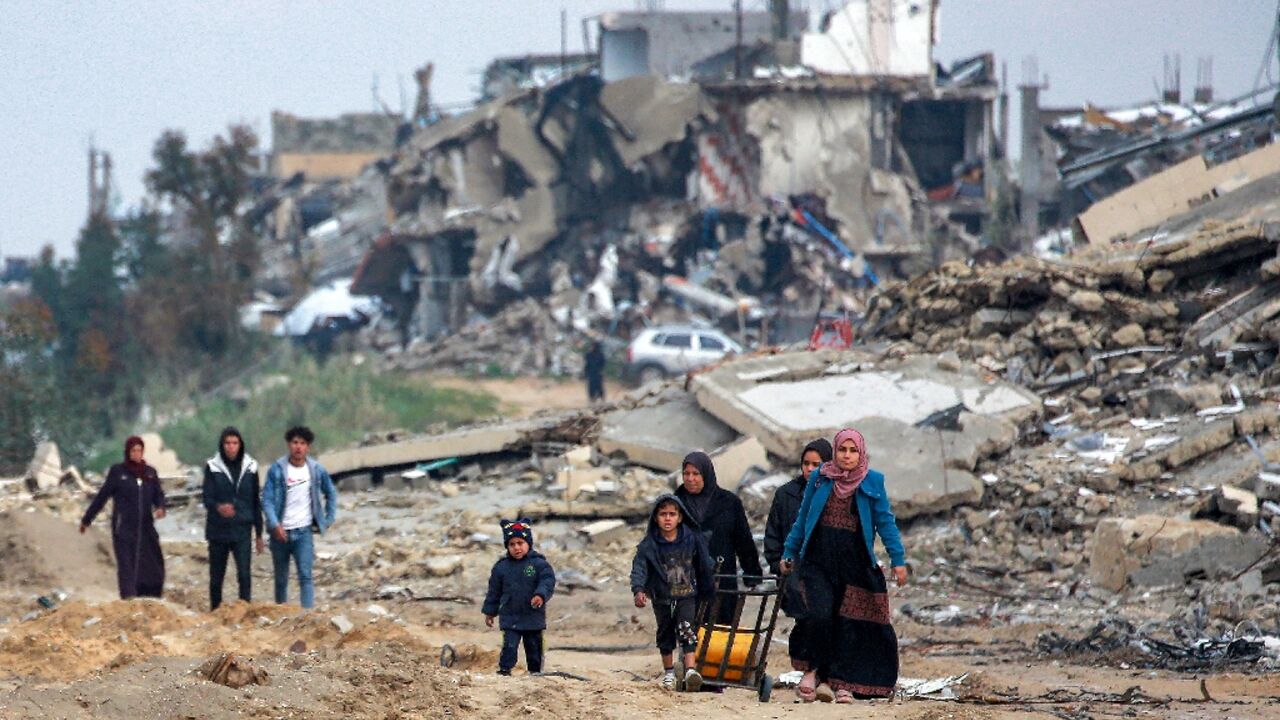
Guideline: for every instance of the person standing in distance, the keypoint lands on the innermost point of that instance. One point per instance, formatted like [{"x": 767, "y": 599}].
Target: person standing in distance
[
  {"x": 292, "y": 504},
  {"x": 231, "y": 497}
]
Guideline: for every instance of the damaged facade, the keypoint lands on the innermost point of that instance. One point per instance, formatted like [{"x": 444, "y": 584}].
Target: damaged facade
[{"x": 604, "y": 197}]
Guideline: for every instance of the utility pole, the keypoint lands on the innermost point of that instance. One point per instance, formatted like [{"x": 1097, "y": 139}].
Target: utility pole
[
  {"x": 1031, "y": 156},
  {"x": 737, "y": 47},
  {"x": 564, "y": 40}
]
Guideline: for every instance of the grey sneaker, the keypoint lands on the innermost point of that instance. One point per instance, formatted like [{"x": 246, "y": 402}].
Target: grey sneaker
[
  {"x": 669, "y": 680},
  {"x": 692, "y": 680}
]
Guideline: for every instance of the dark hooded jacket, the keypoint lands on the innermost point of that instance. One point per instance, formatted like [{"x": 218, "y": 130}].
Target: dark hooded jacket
[
  {"x": 720, "y": 516},
  {"x": 235, "y": 481},
  {"x": 135, "y": 495},
  {"x": 649, "y": 572},
  {"x": 512, "y": 585},
  {"x": 786, "y": 507}
]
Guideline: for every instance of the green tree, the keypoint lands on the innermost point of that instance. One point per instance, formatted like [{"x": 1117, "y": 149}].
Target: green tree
[{"x": 207, "y": 188}]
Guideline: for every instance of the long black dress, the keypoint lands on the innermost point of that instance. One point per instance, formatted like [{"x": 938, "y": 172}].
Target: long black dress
[
  {"x": 850, "y": 642},
  {"x": 134, "y": 496}
]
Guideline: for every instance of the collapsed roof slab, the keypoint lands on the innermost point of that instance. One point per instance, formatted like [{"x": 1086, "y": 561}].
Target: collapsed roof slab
[
  {"x": 659, "y": 436},
  {"x": 465, "y": 442},
  {"x": 788, "y": 400}
]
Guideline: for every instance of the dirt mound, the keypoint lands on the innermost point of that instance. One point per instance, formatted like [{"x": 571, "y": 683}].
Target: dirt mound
[
  {"x": 390, "y": 680},
  {"x": 42, "y": 552},
  {"x": 79, "y": 638}
]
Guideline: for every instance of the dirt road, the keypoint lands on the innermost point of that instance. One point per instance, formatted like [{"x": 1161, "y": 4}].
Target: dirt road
[{"x": 118, "y": 659}]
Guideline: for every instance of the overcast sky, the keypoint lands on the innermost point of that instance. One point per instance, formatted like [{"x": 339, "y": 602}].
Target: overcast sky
[{"x": 120, "y": 72}]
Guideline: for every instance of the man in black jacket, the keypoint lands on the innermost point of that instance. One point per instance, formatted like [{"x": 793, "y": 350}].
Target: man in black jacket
[
  {"x": 786, "y": 502},
  {"x": 232, "y": 499},
  {"x": 718, "y": 513}
]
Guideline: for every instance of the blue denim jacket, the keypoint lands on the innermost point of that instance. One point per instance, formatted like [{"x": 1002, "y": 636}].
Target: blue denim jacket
[
  {"x": 874, "y": 514},
  {"x": 273, "y": 495}
]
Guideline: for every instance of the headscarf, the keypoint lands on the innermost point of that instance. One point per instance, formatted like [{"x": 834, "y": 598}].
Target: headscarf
[
  {"x": 820, "y": 446},
  {"x": 234, "y": 465},
  {"x": 847, "y": 481},
  {"x": 137, "y": 468},
  {"x": 699, "y": 502}
]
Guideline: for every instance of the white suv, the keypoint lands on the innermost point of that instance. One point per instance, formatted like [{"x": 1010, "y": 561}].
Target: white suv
[{"x": 673, "y": 349}]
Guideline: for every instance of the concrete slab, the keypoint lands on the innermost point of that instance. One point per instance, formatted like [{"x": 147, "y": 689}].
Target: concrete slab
[
  {"x": 917, "y": 479},
  {"x": 734, "y": 460},
  {"x": 787, "y": 400},
  {"x": 789, "y": 408},
  {"x": 659, "y": 436},
  {"x": 466, "y": 442},
  {"x": 603, "y": 532}
]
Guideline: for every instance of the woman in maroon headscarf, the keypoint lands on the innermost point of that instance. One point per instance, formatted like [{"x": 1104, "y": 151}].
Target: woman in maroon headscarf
[
  {"x": 840, "y": 588},
  {"x": 137, "y": 501}
]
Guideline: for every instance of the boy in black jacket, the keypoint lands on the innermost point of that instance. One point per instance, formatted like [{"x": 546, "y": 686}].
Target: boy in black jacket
[
  {"x": 673, "y": 568},
  {"x": 230, "y": 494},
  {"x": 520, "y": 585}
]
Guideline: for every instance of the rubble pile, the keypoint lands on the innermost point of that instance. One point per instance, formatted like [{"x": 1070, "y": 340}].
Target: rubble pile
[
  {"x": 1098, "y": 315},
  {"x": 489, "y": 345}
]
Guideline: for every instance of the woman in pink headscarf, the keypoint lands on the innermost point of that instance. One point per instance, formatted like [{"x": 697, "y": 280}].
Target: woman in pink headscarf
[{"x": 839, "y": 597}]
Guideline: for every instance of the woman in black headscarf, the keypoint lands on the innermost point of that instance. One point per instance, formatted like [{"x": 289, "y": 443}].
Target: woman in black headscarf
[
  {"x": 137, "y": 502},
  {"x": 719, "y": 514},
  {"x": 786, "y": 502}
]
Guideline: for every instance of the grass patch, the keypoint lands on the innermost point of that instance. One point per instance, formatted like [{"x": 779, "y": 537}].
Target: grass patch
[{"x": 339, "y": 401}]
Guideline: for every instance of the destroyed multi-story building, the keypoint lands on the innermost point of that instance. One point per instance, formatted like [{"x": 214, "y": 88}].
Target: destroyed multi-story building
[
  {"x": 754, "y": 164},
  {"x": 1073, "y": 158},
  {"x": 329, "y": 148}
]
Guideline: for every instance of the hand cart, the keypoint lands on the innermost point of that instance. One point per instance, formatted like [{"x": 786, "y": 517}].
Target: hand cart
[{"x": 737, "y": 655}]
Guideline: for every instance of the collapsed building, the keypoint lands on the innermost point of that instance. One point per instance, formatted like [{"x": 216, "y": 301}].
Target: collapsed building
[
  {"x": 1075, "y": 158},
  {"x": 749, "y": 184}
]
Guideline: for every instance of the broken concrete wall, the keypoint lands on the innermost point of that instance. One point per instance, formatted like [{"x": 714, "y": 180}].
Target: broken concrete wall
[
  {"x": 659, "y": 436},
  {"x": 329, "y": 148},
  {"x": 874, "y": 37},
  {"x": 669, "y": 44},
  {"x": 785, "y": 401},
  {"x": 1171, "y": 192},
  {"x": 1153, "y": 550},
  {"x": 796, "y": 131}
]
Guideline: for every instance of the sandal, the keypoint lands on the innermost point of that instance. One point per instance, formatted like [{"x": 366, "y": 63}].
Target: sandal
[
  {"x": 825, "y": 694},
  {"x": 844, "y": 697},
  {"x": 807, "y": 693}
]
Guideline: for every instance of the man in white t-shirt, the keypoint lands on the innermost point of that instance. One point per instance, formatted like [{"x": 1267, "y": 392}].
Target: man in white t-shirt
[{"x": 291, "y": 502}]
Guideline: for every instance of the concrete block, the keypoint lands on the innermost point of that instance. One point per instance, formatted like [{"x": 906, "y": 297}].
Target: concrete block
[
  {"x": 1199, "y": 442},
  {"x": 786, "y": 414},
  {"x": 1267, "y": 486},
  {"x": 45, "y": 470},
  {"x": 734, "y": 460},
  {"x": 164, "y": 460},
  {"x": 579, "y": 457},
  {"x": 575, "y": 481},
  {"x": 659, "y": 436},
  {"x": 442, "y": 566},
  {"x": 603, "y": 532},
  {"x": 1121, "y": 546}
]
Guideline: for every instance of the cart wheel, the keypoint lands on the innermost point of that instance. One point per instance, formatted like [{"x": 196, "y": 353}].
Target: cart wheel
[{"x": 766, "y": 687}]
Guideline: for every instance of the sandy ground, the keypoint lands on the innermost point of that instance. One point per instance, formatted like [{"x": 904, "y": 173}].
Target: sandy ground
[
  {"x": 523, "y": 396},
  {"x": 93, "y": 657},
  {"x": 97, "y": 657}
]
